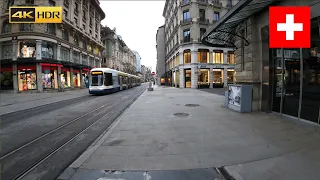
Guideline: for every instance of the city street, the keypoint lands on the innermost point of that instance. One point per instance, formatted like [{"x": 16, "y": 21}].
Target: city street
[{"x": 42, "y": 133}]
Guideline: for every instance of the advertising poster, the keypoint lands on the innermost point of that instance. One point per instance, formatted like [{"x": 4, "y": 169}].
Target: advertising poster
[{"x": 235, "y": 95}]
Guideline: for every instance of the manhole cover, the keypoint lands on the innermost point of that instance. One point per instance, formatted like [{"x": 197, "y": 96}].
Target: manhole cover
[
  {"x": 192, "y": 105},
  {"x": 181, "y": 114}
]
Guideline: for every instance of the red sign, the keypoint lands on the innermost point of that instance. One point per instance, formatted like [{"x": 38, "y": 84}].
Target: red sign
[
  {"x": 289, "y": 26},
  {"x": 153, "y": 73},
  {"x": 48, "y": 64}
]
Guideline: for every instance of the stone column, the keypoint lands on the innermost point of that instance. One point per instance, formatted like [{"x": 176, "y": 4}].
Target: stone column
[
  {"x": 194, "y": 76},
  {"x": 210, "y": 57},
  {"x": 70, "y": 55},
  {"x": 182, "y": 80},
  {"x": 211, "y": 77},
  {"x": 15, "y": 76},
  {"x": 194, "y": 58},
  {"x": 58, "y": 52},
  {"x": 39, "y": 77},
  {"x": 38, "y": 50},
  {"x": 59, "y": 79},
  {"x": 14, "y": 50},
  {"x": 181, "y": 57},
  {"x": 71, "y": 77},
  {"x": 225, "y": 70},
  {"x": 176, "y": 78},
  {"x": 81, "y": 79}
]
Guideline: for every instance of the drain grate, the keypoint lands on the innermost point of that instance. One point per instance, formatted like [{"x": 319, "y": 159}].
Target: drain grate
[
  {"x": 181, "y": 114},
  {"x": 192, "y": 105}
]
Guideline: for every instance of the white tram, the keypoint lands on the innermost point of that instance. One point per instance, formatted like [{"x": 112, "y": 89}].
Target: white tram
[{"x": 106, "y": 80}]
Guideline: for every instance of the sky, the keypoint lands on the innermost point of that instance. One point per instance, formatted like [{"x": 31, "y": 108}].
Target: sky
[{"x": 137, "y": 23}]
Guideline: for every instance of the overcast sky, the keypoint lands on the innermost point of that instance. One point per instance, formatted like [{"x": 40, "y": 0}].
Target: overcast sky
[{"x": 137, "y": 23}]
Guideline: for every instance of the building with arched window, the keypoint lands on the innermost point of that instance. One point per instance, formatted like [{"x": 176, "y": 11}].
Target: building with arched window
[
  {"x": 189, "y": 63},
  {"x": 50, "y": 56}
]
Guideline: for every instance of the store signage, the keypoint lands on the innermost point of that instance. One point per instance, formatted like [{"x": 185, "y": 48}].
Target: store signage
[
  {"x": 35, "y": 14},
  {"x": 289, "y": 26},
  {"x": 96, "y": 72},
  {"x": 53, "y": 65}
]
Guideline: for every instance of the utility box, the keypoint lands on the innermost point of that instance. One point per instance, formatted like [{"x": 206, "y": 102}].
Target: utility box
[{"x": 240, "y": 97}]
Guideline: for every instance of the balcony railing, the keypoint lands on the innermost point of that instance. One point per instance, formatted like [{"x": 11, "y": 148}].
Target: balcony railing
[
  {"x": 185, "y": 2},
  {"x": 216, "y": 3},
  {"x": 203, "y": 20},
  {"x": 186, "y": 21}
]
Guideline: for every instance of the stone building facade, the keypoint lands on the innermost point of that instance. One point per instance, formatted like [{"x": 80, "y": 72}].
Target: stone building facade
[
  {"x": 189, "y": 63},
  {"x": 161, "y": 56},
  {"x": 117, "y": 55},
  {"x": 50, "y": 56}
]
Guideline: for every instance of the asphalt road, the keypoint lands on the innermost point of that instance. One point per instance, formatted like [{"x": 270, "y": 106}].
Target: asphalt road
[{"x": 41, "y": 142}]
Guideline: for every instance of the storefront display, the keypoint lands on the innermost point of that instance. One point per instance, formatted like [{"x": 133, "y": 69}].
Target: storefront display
[
  {"x": 231, "y": 76},
  {"x": 27, "y": 49},
  {"x": 217, "y": 78},
  {"x": 27, "y": 79},
  {"x": 188, "y": 78},
  {"x": 203, "y": 78},
  {"x": 50, "y": 78},
  {"x": 47, "y": 50},
  {"x": 76, "y": 78},
  {"x": 65, "y": 78}
]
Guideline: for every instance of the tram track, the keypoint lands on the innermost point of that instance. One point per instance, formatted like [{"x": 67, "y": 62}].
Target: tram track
[
  {"x": 12, "y": 117},
  {"x": 22, "y": 160}
]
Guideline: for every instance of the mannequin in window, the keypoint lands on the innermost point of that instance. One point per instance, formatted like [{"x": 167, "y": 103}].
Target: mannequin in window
[{"x": 24, "y": 51}]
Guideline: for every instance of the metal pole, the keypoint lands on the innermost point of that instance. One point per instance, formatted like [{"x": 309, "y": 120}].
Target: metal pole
[
  {"x": 282, "y": 80},
  {"x": 301, "y": 83}
]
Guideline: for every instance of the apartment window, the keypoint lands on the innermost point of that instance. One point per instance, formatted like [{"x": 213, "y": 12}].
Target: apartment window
[
  {"x": 84, "y": 44},
  {"x": 231, "y": 59},
  {"x": 186, "y": 35},
  {"x": 218, "y": 57},
  {"x": 177, "y": 38},
  {"x": 76, "y": 40},
  {"x": 203, "y": 56},
  {"x": 10, "y": 3},
  {"x": 186, "y": 15},
  {"x": 75, "y": 20},
  {"x": 50, "y": 28},
  {"x": 84, "y": 15},
  {"x": 52, "y": 3},
  {"x": 64, "y": 54},
  {"x": 216, "y": 16},
  {"x": 186, "y": 56},
  {"x": 83, "y": 26},
  {"x": 202, "y": 14},
  {"x": 66, "y": 2},
  {"x": 6, "y": 27},
  {"x": 65, "y": 35},
  {"x": 229, "y": 3},
  {"x": 90, "y": 22},
  {"x": 202, "y": 31},
  {"x": 76, "y": 8},
  {"x": 29, "y": 1},
  {"x": 96, "y": 27},
  {"x": 65, "y": 14},
  {"x": 26, "y": 27}
]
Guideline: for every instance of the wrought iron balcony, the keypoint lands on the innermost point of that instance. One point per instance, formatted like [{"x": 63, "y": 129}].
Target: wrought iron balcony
[
  {"x": 185, "y": 2},
  {"x": 186, "y": 21},
  {"x": 216, "y": 3},
  {"x": 203, "y": 20}
]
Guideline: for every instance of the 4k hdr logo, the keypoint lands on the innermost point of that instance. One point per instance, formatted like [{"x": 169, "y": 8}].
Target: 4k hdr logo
[
  {"x": 289, "y": 27},
  {"x": 35, "y": 15}
]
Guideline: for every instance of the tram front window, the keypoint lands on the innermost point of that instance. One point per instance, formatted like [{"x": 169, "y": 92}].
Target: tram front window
[{"x": 97, "y": 78}]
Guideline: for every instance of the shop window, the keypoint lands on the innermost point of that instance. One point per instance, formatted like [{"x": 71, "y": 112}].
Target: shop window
[
  {"x": 188, "y": 78},
  {"x": 218, "y": 57},
  {"x": 187, "y": 56},
  {"x": 231, "y": 76},
  {"x": 76, "y": 78},
  {"x": 50, "y": 28},
  {"x": 203, "y": 56},
  {"x": 26, "y": 27},
  {"x": 231, "y": 57},
  {"x": 47, "y": 50},
  {"x": 76, "y": 40},
  {"x": 203, "y": 78},
  {"x": 217, "y": 78},
  {"x": 27, "y": 79},
  {"x": 65, "y": 78},
  {"x": 65, "y": 35},
  {"x": 108, "y": 79},
  {"x": 49, "y": 78},
  {"x": 6, "y": 27},
  {"x": 76, "y": 57},
  {"x": 64, "y": 54},
  {"x": 6, "y": 78},
  {"x": 27, "y": 49}
]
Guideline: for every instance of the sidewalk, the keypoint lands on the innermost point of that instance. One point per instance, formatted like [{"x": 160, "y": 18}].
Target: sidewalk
[
  {"x": 11, "y": 102},
  {"x": 189, "y": 131}
]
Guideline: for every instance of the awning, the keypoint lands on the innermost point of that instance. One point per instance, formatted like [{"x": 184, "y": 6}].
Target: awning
[{"x": 223, "y": 32}]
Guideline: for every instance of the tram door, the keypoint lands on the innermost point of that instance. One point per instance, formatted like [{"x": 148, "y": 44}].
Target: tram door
[{"x": 120, "y": 82}]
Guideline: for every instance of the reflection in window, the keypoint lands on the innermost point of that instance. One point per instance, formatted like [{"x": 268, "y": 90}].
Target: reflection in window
[
  {"x": 27, "y": 49},
  {"x": 186, "y": 15},
  {"x": 6, "y": 27},
  {"x": 231, "y": 59},
  {"x": 47, "y": 50},
  {"x": 216, "y": 16},
  {"x": 50, "y": 28},
  {"x": 65, "y": 35},
  {"x": 187, "y": 56},
  {"x": 186, "y": 35},
  {"x": 203, "y": 56},
  {"x": 26, "y": 27},
  {"x": 218, "y": 57}
]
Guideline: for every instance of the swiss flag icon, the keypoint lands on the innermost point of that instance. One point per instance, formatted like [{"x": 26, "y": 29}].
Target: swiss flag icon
[{"x": 289, "y": 26}]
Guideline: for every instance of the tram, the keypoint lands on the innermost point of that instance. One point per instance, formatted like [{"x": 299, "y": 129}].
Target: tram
[{"x": 106, "y": 80}]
